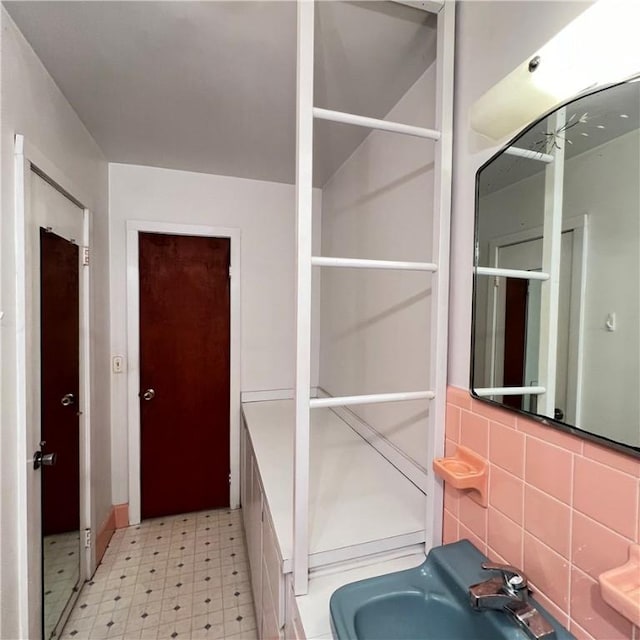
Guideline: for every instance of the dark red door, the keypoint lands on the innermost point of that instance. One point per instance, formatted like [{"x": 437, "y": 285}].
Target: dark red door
[
  {"x": 184, "y": 372},
  {"x": 515, "y": 337},
  {"x": 60, "y": 351}
]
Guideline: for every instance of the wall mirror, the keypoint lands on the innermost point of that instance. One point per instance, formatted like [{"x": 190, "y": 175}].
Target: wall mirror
[
  {"x": 556, "y": 310},
  {"x": 55, "y": 224}
]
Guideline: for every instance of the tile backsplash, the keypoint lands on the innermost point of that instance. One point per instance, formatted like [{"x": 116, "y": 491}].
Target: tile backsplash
[{"x": 561, "y": 508}]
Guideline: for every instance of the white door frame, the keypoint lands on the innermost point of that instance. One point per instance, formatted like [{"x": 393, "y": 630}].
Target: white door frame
[
  {"x": 134, "y": 227},
  {"x": 579, "y": 225},
  {"x": 27, "y": 157}
]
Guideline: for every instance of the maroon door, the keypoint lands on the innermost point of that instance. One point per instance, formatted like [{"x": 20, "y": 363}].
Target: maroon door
[
  {"x": 515, "y": 337},
  {"x": 60, "y": 351},
  {"x": 184, "y": 373}
]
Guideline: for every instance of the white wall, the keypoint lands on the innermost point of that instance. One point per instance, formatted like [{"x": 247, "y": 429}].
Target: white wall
[
  {"x": 32, "y": 105},
  {"x": 265, "y": 214},
  {"x": 603, "y": 183},
  {"x": 492, "y": 38},
  {"x": 375, "y": 325}
]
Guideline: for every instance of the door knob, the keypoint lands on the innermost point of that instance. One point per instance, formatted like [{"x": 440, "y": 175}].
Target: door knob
[
  {"x": 44, "y": 459},
  {"x": 149, "y": 394},
  {"x": 67, "y": 399}
]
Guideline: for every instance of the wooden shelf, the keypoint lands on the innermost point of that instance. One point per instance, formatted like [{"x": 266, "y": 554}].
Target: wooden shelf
[
  {"x": 620, "y": 587},
  {"x": 466, "y": 471}
]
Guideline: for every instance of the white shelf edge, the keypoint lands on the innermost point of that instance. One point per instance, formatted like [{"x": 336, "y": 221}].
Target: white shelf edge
[
  {"x": 359, "y": 263},
  {"x": 374, "y": 398},
  {"x": 509, "y": 391},
  {"x": 375, "y": 123},
  {"x": 512, "y": 273}
]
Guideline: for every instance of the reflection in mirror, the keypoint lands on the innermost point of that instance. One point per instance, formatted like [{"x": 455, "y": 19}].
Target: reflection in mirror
[
  {"x": 59, "y": 337},
  {"x": 61, "y": 558},
  {"x": 556, "y": 329},
  {"x": 60, "y": 343}
]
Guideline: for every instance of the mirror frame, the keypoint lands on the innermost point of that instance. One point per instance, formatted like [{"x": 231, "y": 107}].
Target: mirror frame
[{"x": 547, "y": 421}]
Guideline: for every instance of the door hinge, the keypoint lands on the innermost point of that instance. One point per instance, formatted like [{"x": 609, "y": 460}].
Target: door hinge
[
  {"x": 85, "y": 256},
  {"x": 496, "y": 281},
  {"x": 229, "y": 477},
  {"x": 230, "y": 271},
  {"x": 87, "y": 538}
]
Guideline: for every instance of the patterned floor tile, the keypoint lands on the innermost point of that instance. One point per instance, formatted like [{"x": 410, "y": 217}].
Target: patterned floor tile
[{"x": 183, "y": 576}]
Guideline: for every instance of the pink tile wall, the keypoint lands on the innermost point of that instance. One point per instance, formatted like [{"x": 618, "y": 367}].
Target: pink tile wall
[{"x": 561, "y": 508}]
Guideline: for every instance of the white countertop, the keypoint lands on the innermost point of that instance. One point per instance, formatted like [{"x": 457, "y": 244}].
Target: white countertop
[
  {"x": 356, "y": 495},
  {"x": 314, "y": 607}
]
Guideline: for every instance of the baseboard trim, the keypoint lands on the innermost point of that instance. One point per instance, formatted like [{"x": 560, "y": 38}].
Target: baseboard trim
[
  {"x": 117, "y": 518},
  {"x": 121, "y": 514},
  {"x": 382, "y": 445},
  {"x": 104, "y": 533}
]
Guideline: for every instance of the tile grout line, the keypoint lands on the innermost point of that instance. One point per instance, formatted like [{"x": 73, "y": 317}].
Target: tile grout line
[{"x": 571, "y": 515}]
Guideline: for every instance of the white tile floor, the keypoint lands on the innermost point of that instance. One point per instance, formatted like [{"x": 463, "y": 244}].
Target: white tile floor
[{"x": 182, "y": 576}]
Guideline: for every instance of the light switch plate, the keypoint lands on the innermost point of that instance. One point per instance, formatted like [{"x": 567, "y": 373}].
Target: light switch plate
[{"x": 118, "y": 364}]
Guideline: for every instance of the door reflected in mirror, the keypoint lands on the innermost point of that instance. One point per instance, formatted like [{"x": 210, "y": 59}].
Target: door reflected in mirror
[
  {"x": 556, "y": 313},
  {"x": 59, "y": 337}
]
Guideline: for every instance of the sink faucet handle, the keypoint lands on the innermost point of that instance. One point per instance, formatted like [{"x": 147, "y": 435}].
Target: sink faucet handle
[{"x": 513, "y": 578}]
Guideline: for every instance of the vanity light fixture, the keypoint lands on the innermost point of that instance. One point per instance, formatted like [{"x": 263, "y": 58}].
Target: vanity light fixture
[{"x": 599, "y": 47}]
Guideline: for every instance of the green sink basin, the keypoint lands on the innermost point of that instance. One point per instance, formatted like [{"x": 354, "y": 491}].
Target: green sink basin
[{"x": 430, "y": 602}]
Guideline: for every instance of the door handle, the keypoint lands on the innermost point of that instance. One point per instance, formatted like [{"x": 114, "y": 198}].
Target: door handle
[
  {"x": 67, "y": 399},
  {"x": 149, "y": 394},
  {"x": 44, "y": 459}
]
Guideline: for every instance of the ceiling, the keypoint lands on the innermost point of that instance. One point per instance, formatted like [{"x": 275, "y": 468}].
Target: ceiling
[
  {"x": 210, "y": 86},
  {"x": 591, "y": 120}
]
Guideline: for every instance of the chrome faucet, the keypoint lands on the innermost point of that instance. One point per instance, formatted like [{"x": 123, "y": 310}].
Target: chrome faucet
[{"x": 509, "y": 592}]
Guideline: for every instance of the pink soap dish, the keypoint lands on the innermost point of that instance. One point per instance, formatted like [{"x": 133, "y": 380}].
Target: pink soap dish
[
  {"x": 620, "y": 587},
  {"x": 465, "y": 470}
]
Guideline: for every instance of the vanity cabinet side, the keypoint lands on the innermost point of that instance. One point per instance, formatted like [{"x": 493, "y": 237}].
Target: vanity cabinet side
[
  {"x": 251, "y": 494},
  {"x": 272, "y": 570},
  {"x": 270, "y": 626},
  {"x": 265, "y": 560},
  {"x": 293, "y": 629}
]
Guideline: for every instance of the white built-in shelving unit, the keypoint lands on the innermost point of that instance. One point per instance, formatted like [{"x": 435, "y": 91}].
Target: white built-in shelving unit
[
  {"x": 323, "y": 504},
  {"x": 360, "y": 504},
  {"x": 438, "y": 269}
]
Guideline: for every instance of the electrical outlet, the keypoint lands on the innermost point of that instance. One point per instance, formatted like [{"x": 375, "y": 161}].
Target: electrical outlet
[{"x": 118, "y": 364}]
